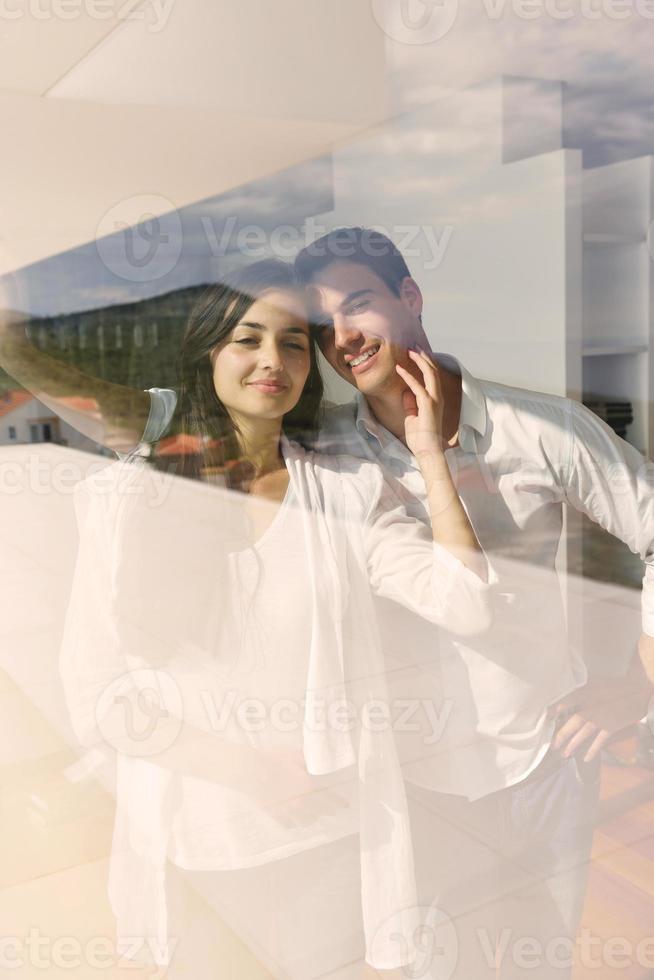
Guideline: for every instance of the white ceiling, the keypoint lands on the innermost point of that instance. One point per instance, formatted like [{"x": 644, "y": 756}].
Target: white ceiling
[
  {"x": 193, "y": 99},
  {"x": 308, "y": 59},
  {"x": 38, "y": 47}
]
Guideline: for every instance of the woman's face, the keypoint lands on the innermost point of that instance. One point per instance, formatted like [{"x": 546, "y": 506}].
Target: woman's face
[{"x": 261, "y": 367}]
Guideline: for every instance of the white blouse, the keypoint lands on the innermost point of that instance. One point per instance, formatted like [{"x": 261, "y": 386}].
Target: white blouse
[{"x": 148, "y": 610}]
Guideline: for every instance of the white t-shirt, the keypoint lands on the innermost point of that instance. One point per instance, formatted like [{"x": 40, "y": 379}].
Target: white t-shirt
[{"x": 259, "y": 682}]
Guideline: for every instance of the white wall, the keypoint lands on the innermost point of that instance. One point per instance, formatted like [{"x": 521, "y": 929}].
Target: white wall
[
  {"x": 35, "y": 411},
  {"x": 21, "y": 418}
]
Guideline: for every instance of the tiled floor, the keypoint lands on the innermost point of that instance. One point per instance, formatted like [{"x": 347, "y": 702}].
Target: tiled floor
[{"x": 620, "y": 899}]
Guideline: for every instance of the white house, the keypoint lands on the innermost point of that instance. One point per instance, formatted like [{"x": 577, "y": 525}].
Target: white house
[{"x": 24, "y": 419}]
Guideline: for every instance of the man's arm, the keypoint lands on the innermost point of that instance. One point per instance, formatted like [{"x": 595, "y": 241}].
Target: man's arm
[
  {"x": 121, "y": 414},
  {"x": 613, "y": 484}
]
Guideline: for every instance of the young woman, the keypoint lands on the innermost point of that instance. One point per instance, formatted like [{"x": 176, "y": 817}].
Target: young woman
[{"x": 252, "y": 586}]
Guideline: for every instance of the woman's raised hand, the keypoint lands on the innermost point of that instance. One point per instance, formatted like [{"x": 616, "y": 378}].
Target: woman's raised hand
[
  {"x": 423, "y": 405},
  {"x": 423, "y": 428}
]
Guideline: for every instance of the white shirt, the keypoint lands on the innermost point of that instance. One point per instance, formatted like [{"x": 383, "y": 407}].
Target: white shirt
[
  {"x": 522, "y": 456},
  {"x": 261, "y": 666},
  {"x": 149, "y": 591}
]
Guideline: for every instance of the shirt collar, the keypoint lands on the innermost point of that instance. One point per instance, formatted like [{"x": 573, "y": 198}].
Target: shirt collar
[{"x": 473, "y": 418}]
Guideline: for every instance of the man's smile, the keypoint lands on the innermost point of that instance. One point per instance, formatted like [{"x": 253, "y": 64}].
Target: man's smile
[{"x": 361, "y": 361}]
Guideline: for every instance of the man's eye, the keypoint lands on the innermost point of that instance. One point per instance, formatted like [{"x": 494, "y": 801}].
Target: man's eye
[{"x": 357, "y": 307}]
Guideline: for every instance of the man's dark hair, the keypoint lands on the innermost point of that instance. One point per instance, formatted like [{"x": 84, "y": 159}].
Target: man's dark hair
[{"x": 365, "y": 246}]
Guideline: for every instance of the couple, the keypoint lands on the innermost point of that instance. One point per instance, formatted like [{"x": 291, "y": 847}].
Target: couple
[
  {"x": 285, "y": 615},
  {"x": 502, "y": 812},
  {"x": 502, "y": 808}
]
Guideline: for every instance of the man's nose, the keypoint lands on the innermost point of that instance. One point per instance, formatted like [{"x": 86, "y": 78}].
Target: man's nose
[{"x": 345, "y": 334}]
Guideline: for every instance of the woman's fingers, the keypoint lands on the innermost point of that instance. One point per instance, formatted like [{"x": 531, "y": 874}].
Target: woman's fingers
[
  {"x": 428, "y": 387},
  {"x": 409, "y": 403},
  {"x": 429, "y": 372},
  {"x": 415, "y": 386}
]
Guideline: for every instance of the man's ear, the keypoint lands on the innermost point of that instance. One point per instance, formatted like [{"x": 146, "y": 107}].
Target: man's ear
[{"x": 410, "y": 295}]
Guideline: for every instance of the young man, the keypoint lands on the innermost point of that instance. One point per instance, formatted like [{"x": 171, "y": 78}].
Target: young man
[{"x": 504, "y": 797}]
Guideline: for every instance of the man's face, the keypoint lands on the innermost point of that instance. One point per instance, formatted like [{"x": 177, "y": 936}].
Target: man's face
[{"x": 364, "y": 329}]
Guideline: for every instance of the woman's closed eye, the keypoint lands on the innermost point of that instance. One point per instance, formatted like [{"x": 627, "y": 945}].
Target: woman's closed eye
[{"x": 254, "y": 341}]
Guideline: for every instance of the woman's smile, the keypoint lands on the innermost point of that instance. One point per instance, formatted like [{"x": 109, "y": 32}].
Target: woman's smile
[{"x": 267, "y": 386}]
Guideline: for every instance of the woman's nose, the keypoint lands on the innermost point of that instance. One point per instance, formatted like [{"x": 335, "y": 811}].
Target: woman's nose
[{"x": 271, "y": 357}]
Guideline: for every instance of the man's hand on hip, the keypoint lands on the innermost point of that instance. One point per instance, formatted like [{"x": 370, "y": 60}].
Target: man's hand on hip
[{"x": 605, "y": 707}]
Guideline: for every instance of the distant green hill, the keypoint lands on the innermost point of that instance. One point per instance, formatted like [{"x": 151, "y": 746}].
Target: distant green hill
[
  {"x": 134, "y": 344},
  {"x": 6, "y": 382}
]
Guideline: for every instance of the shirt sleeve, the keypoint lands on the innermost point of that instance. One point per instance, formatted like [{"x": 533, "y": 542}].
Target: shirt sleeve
[
  {"x": 613, "y": 484},
  {"x": 96, "y": 676},
  {"x": 405, "y": 564},
  {"x": 162, "y": 408},
  {"x": 90, "y": 657}
]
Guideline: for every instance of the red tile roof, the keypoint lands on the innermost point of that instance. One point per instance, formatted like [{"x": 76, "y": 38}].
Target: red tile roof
[
  {"x": 16, "y": 397},
  {"x": 179, "y": 445},
  {"x": 80, "y": 403},
  {"x": 184, "y": 444},
  {"x": 11, "y": 400}
]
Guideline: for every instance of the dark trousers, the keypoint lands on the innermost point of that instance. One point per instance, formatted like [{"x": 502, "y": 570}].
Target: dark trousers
[{"x": 502, "y": 879}]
